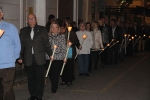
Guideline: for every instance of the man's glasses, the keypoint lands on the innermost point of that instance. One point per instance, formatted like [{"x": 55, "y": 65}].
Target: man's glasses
[{"x": 32, "y": 19}]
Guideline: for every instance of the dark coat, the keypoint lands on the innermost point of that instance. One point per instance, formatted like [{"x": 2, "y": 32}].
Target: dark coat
[
  {"x": 40, "y": 44},
  {"x": 118, "y": 36},
  {"x": 74, "y": 40}
]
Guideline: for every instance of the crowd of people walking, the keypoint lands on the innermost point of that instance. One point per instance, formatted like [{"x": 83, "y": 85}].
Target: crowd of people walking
[{"x": 93, "y": 45}]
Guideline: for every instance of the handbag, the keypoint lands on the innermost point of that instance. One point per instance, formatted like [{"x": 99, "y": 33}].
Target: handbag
[{"x": 69, "y": 53}]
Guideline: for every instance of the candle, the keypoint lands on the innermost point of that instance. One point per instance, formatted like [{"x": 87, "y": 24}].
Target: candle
[
  {"x": 84, "y": 37},
  {"x": 1, "y": 32},
  {"x": 113, "y": 44},
  {"x": 68, "y": 46},
  {"x": 69, "y": 29},
  {"x": 132, "y": 38},
  {"x": 55, "y": 47},
  {"x": 125, "y": 42}
]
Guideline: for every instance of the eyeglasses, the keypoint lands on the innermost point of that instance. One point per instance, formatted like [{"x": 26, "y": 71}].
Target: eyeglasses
[{"x": 32, "y": 19}]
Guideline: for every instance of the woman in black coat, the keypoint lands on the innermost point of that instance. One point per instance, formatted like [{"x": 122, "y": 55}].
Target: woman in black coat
[{"x": 69, "y": 67}]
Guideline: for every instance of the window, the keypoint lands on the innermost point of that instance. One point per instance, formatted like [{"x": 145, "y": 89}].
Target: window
[{"x": 93, "y": 11}]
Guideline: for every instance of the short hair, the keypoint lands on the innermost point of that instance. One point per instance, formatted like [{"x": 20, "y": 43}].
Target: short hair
[
  {"x": 62, "y": 23},
  {"x": 51, "y": 17},
  {"x": 55, "y": 22},
  {"x": 82, "y": 23},
  {"x": 93, "y": 24}
]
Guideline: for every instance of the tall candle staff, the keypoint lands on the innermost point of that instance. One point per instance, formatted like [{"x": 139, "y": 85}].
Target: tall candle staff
[
  {"x": 84, "y": 37},
  {"x": 1, "y": 32},
  {"x": 69, "y": 29},
  {"x": 55, "y": 47},
  {"x": 125, "y": 35},
  {"x": 121, "y": 45},
  {"x": 104, "y": 48},
  {"x": 147, "y": 39},
  {"x": 68, "y": 46},
  {"x": 114, "y": 44}
]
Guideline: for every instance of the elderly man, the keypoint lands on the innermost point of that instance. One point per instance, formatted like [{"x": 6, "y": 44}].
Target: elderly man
[
  {"x": 34, "y": 46},
  {"x": 9, "y": 52}
]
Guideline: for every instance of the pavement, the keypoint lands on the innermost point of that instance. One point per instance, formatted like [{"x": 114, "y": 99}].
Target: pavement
[{"x": 128, "y": 80}]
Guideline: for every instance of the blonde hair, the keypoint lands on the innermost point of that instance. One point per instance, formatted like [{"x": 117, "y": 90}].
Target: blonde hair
[
  {"x": 94, "y": 25},
  {"x": 50, "y": 31}
]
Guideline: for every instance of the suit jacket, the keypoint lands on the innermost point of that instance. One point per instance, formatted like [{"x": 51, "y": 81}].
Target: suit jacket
[
  {"x": 118, "y": 36},
  {"x": 40, "y": 44}
]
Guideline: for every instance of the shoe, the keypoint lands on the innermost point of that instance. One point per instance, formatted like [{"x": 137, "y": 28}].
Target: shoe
[
  {"x": 53, "y": 91},
  {"x": 38, "y": 99},
  {"x": 32, "y": 98},
  {"x": 86, "y": 74},
  {"x": 63, "y": 83},
  {"x": 69, "y": 84},
  {"x": 81, "y": 74}
]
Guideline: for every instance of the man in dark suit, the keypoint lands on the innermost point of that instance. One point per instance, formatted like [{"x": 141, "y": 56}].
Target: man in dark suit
[
  {"x": 116, "y": 34},
  {"x": 34, "y": 46}
]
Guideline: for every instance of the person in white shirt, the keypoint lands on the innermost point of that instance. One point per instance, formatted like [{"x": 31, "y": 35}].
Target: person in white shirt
[{"x": 84, "y": 54}]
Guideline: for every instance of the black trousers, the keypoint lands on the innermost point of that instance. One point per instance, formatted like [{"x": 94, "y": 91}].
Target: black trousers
[
  {"x": 55, "y": 73},
  {"x": 35, "y": 74},
  {"x": 93, "y": 56},
  {"x": 68, "y": 71},
  {"x": 104, "y": 56},
  {"x": 114, "y": 54},
  {"x": 7, "y": 80}
]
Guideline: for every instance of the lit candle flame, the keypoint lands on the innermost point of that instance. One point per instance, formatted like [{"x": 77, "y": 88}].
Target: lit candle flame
[
  {"x": 144, "y": 35},
  {"x": 55, "y": 46},
  {"x": 108, "y": 44},
  {"x": 139, "y": 36},
  {"x": 129, "y": 39},
  {"x": 135, "y": 35},
  {"x": 132, "y": 37},
  {"x": 69, "y": 28},
  {"x": 149, "y": 36},
  {"x": 112, "y": 39},
  {"x": 125, "y": 35},
  {"x": 117, "y": 41},
  {"x": 84, "y": 36}
]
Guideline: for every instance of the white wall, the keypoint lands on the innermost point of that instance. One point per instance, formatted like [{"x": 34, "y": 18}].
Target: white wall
[{"x": 11, "y": 9}]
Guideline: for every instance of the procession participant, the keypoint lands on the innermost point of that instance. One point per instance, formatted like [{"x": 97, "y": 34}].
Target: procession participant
[
  {"x": 9, "y": 52},
  {"x": 105, "y": 39},
  {"x": 88, "y": 26},
  {"x": 116, "y": 34},
  {"x": 51, "y": 18},
  {"x": 84, "y": 54},
  {"x": 55, "y": 38},
  {"x": 97, "y": 45},
  {"x": 34, "y": 46},
  {"x": 68, "y": 69}
]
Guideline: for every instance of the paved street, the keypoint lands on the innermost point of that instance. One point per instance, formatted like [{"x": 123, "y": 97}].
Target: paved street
[{"x": 128, "y": 80}]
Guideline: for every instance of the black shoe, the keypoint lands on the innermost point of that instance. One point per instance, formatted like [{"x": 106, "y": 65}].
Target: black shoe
[
  {"x": 54, "y": 91},
  {"x": 32, "y": 98},
  {"x": 38, "y": 99},
  {"x": 81, "y": 74},
  {"x": 63, "y": 83},
  {"x": 86, "y": 74}
]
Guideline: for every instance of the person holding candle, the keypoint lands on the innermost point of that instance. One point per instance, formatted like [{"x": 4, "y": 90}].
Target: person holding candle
[
  {"x": 55, "y": 38},
  {"x": 105, "y": 39},
  {"x": 85, "y": 39},
  {"x": 68, "y": 69},
  {"x": 9, "y": 51},
  {"x": 34, "y": 45},
  {"x": 115, "y": 33},
  {"x": 97, "y": 45}
]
